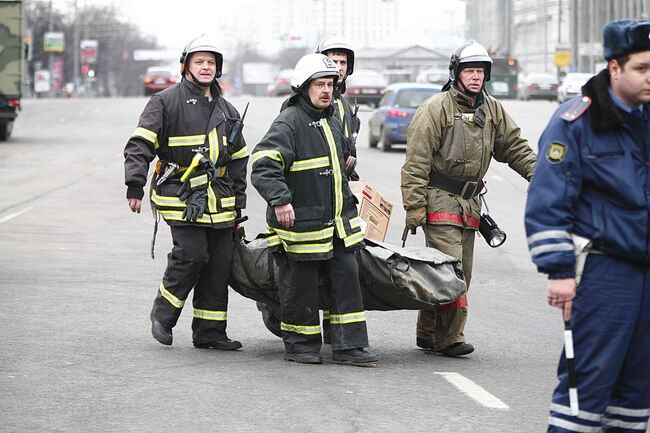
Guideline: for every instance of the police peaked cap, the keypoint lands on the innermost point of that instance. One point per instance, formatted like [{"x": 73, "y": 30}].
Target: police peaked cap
[{"x": 624, "y": 37}]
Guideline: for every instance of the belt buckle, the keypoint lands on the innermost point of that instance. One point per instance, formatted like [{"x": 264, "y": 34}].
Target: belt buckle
[{"x": 469, "y": 189}]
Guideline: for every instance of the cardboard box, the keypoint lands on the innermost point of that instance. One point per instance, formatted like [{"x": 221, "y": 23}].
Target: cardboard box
[{"x": 374, "y": 209}]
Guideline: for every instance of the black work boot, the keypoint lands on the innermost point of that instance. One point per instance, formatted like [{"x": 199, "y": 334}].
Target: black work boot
[
  {"x": 425, "y": 343},
  {"x": 271, "y": 322},
  {"x": 160, "y": 332},
  {"x": 359, "y": 357},
  {"x": 457, "y": 349},
  {"x": 304, "y": 358},
  {"x": 224, "y": 343}
]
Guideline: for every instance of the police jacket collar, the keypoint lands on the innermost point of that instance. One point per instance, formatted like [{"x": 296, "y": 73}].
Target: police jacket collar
[
  {"x": 313, "y": 112},
  {"x": 603, "y": 113},
  {"x": 197, "y": 90}
]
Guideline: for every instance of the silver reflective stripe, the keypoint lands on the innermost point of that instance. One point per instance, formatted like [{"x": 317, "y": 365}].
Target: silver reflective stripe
[
  {"x": 186, "y": 140},
  {"x": 307, "y": 164},
  {"x": 615, "y": 410},
  {"x": 571, "y": 426},
  {"x": 171, "y": 298},
  {"x": 641, "y": 426},
  {"x": 242, "y": 153},
  {"x": 565, "y": 410},
  {"x": 210, "y": 315},
  {"x": 550, "y": 248},
  {"x": 548, "y": 234}
]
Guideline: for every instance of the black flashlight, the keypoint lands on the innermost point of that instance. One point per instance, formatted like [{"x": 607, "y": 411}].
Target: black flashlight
[{"x": 489, "y": 229}]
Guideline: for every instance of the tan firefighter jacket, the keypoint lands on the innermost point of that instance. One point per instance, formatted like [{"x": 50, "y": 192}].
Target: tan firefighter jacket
[{"x": 451, "y": 137}]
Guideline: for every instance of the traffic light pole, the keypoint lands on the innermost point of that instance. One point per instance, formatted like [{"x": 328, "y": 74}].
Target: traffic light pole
[{"x": 75, "y": 50}]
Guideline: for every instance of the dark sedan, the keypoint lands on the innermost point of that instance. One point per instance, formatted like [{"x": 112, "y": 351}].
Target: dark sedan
[
  {"x": 538, "y": 86},
  {"x": 365, "y": 87},
  {"x": 392, "y": 117}
]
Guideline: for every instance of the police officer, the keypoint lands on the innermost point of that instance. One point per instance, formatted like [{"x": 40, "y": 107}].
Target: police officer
[
  {"x": 312, "y": 220},
  {"x": 199, "y": 191},
  {"x": 450, "y": 143},
  {"x": 339, "y": 49},
  {"x": 587, "y": 221}
]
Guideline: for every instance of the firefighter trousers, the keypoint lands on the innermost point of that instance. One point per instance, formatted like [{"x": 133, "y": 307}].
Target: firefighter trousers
[
  {"x": 299, "y": 300},
  {"x": 446, "y": 325},
  {"x": 610, "y": 321},
  {"x": 200, "y": 260}
]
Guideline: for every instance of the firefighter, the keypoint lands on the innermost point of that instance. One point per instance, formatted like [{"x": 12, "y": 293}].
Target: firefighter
[
  {"x": 313, "y": 226},
  {"x": 199, "y": 190},
  {"x": 339, "y": 49},
  {"x": 450, "y": 143},
  {"x": 587, "y": 222}
]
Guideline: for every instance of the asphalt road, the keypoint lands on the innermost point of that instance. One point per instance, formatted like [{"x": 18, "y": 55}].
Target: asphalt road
[{"x": 77, "y": 283}]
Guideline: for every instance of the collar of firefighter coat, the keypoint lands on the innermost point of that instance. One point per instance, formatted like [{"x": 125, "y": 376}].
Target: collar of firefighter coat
[{"x": 197, "y": 90}]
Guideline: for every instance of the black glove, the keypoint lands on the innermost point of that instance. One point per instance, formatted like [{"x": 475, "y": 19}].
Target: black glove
[
  {"x": 209, "y": 168},
  {"x": 194, "y": 192}
]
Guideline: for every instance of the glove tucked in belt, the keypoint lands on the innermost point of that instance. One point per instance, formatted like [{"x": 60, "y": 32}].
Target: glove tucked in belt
[{"x": 194, "y": 192}]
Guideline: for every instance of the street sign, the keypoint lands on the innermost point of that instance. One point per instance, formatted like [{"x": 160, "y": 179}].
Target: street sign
[
  {"x": 88, "y": 51},
  {"x": 53, "y": 42},
  {"x": 42, "y": 81},
  {"x": 562, "y": 58}
]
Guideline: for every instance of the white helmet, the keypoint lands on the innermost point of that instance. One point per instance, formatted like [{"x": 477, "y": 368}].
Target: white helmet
[
  {"x": 335, "y": 42},
  {"x": 202, "y": 43},
  {"x": 312, "y": 66},
  {"x": 470, "y": 52}
]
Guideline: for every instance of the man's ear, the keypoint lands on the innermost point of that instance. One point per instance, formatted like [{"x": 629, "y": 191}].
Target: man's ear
[{"x": 614, "y": 69}]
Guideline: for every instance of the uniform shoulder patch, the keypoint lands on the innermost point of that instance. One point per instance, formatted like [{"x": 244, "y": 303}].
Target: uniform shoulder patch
[
  {"x": 556, "y": 153},
  {"x": 577, "y": 109}
]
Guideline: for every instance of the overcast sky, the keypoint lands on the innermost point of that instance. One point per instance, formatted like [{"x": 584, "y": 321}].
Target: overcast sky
[{"x": 420, "y": 21}]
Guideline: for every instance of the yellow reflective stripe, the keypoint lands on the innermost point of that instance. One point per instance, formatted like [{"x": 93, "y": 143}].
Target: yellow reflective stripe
[
  {"x": 355, "y": 222},
  {"x": 221, "y": 217},
  {"x": 338, "y": 179},
  {"x": 299, "y": 329},
  {"x": 186, "y": 140},
  {"x": 166, "y": 201},
  {"x": 241, "y": 153},
  {"x": 308, "y": 248},
  {"x": 353, "y": 239},
  {"x": 273, "y": 154},
  {"x": 146, "y": 134},
  {"x": 326, "y": 315},
  {"x": 228, "y": 202},
  {"x": 171, "y": 298},
  {"x": 318, "y": 235},
  {"x": 344, "y": 319},
  {"x": 342, "y": 116},
  {"x": 212, "y": 200},
  {"x": 213, "y": 143},
  {"x": 198, "y": 180},
  {"x": 272, "y": 241},
  {"x": 210, "y": 315},
  {"x": 307, "y": 164}
]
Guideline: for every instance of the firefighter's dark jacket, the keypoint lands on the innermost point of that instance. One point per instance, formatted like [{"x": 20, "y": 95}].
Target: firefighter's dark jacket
[
  {"x": 591, "y": 180},
  {"x": 300, "y": 161},
  {"x": 173, "y": 126}
]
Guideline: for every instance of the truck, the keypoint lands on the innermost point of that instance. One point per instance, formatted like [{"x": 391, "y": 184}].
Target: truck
[{"x": 11, "y": 64}]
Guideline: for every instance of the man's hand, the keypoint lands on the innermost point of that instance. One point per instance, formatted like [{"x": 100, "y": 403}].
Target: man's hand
[
  {"x": 285, "y": 215},
  {"x": 561, "y": 293},
  {"x": 135, "y": 204},
  {"x": 416, "y": 217}
]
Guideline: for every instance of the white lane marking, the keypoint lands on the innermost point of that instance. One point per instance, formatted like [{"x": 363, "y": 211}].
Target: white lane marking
[
  {"x": 496, "y": 177},
  {"x": 14, "y": 215},
  {"x": 471, "y": 389}
]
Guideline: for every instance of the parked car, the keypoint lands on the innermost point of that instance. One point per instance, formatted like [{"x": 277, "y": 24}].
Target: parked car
[
  {"x": 158, "y": 78},
  {"x": 572, "y": 85},
  {"x": 282, "y": 84},
  {"x": 433, "y": 76},
  {"x": 365, "y": 86},
  {"x": 538, "y": 86},
  {"x": 392, "y": 117}
]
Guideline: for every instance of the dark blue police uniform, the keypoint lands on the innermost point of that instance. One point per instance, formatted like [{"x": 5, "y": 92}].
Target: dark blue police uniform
[{"x": 592, "y": 180}]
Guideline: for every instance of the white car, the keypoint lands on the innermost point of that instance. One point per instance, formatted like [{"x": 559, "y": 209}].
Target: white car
[{"x": 571, "y": 85}]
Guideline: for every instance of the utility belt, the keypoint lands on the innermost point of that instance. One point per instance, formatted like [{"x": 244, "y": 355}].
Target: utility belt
[
  {"x": 161, "y": 167},
  {"x": 466, "y": 190}
]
